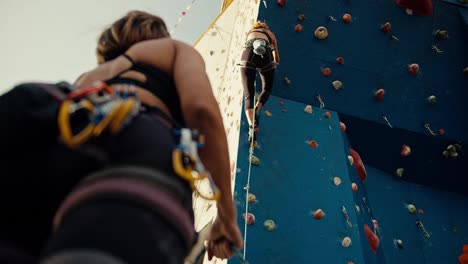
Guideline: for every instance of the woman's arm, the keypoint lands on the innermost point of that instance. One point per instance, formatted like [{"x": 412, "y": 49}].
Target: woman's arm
[{"x": 276, "y": 52}]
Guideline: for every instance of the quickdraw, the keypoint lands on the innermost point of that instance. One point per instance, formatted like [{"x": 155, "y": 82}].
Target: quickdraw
[
  {"x": 187, "y": 163},
  {"x": 105, "y": 110}
]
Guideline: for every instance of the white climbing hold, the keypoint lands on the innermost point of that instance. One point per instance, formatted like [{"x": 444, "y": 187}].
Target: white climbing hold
[
  {"x": 308, "y": 109},
  {"x": 346, "y": 242},
  {"x": 337, "y": 85},
  {"x": 351, "y": 160}
]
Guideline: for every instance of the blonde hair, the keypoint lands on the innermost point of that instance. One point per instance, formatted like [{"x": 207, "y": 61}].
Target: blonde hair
[
  {"x": 260, "y": 24},
  {"x": 134, "y": 27}
]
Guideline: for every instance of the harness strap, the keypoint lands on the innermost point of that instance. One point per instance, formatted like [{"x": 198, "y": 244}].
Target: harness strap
[
  {"x": 132, "y": 189},
  {"x": 263, "y": 32}
]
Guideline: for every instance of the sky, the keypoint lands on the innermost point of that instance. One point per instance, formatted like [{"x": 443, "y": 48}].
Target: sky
[{"x": 55, "y": 40}]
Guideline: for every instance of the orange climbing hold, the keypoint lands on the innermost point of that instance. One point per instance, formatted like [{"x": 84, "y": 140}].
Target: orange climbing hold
[
  {"x": 464, "y": 256},
  {"x": 420, "y": 7},
  {"x": 281, "y": 103},
  {"x": 326, "y": 71},
  {"x": 354, "y": 187},
  {"x": 386, "y": 27},
  {"x": 327, "y": 115},
  {"x": 343, "y": 127},
  {"x": 358, "y": 165},
  {"x": 313, "y": 144},
  {"x": 372, "y": 238},
  {"x": 318, "y": 214},
  {"x": 298, "y": 28}
]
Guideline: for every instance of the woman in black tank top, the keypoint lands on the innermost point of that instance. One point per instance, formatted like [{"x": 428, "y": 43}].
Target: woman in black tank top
[{"x": 260, "y": 55}]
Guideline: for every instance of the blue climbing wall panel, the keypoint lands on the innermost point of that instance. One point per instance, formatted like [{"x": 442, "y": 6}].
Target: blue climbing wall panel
[
  {"x": 373, "y": 60},
  {"x": 293, "y": 180}
]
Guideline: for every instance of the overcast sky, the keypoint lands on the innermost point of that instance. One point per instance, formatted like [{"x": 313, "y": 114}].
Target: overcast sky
[{"x": 54, "y": 40}]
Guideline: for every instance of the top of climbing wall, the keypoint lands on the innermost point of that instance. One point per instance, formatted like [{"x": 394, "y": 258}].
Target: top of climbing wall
[{"x": 417, "y": 56}]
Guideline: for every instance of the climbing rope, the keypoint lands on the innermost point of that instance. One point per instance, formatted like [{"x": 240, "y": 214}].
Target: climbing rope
[{"x": 247, "y": 187}]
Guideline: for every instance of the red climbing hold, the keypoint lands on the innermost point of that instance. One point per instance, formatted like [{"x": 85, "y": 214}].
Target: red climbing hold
[
  {"x": 405, "y": 150},
  {"x": 372, "y": 238},
  {"x": 413, "y": 69},
  {"x": 340, "y": 60},
  {"x": 386, "y": 27},
  {"x": 420, "y": 7},
  {"x": 184, "y": 13},
  {"x": 326, "y": 71},
  {"x": 379, "y": 95},
  {"x": 313, "y": 144},
  {"x": 441, "y": 132},
  {"x": 281, "y": 2},
  {"x": 281, "y": 103},
  {"x": 358, "y": 165},
  {"x": 347, "y": 18},
  {"x": 298, "y": 28},
  {"x": 249, "y": 218}
]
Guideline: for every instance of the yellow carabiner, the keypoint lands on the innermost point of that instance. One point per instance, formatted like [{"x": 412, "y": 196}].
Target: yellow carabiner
[
  {"x": 106, "y": 121},
  {"x": 64, "y": 125},
  {"x": 179, "y": 168},
  {"x": 122, "y": 113}
]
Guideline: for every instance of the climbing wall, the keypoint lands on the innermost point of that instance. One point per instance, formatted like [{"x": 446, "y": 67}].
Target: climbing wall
[
  {"x": 303, "y": 168},
  {"x": 220, "y": 47},
  {"x": 395, "y": 74},
  {"x": 422, "y": 107}
]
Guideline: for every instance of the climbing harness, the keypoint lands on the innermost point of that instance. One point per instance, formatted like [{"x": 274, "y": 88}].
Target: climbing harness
[{"x": 111, "y": 110}]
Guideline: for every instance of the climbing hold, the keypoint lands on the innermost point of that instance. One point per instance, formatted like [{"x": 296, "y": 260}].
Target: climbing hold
[
  {"x": 346, "y": 242},
  {"x": 441, "y": 132},
  {"x": 372, "y": 238},
  {"x": 432, "y": 99},
  {"x": 465, "y": 71},
  {"x": 251, "y": 198},
  {"x": 441, "y": 34},
  {"x": 451, "y": 151},
  {"x": 308, "y": 109},
  {"x": 287, "y": 81},
  {"x": 300, "y": 17},
  {"x": 411, "y": 208},
  {"x": 405, "y": 150},
  {"x": 399, "y": 172},
  {"x": 298, "y": 28},
  {"x": 342, "y": 127},
  {"x": 386, "y": 27},
  {"x": 379, "y": 94},
  {"x": 281, "y": 103},
  {"x": 327, "y": 115},
  {"x": 318, "y": 214},
  {"x": 249, "y": 218},
  {"x": 284, "y": 110},
  {"x": 354, "y": 187},
  {"x": 313, "y": 144},
  {"x": 269, "y": 225},
  {"x": 347, "y": 18},
  {"x": 326, "y": 71},
  {"x": 398, "y": 243},
  {"x": 375, "y": 224},
  {"x": 420, "y": 211},
  {"x": 340, "y": 60},
  {"x": 337, "y": 85},
  {"x": 413, "y": 69},
  {"x": 281, "y": 2},
  {"x": 254, "y": 160},
  {"x": 184, "y": 13},
  {"x": 267, "y": 113},
  {"x": 358, "y": 209},
  {"x": 321, "y": 33},
  {"x": 336, "y": 181},
  {"x": 420, "y": 7},
  {"x": 211, "y": 52},
  {"x": 358, "y": 165},
  {"x": 351, "y": 160}
]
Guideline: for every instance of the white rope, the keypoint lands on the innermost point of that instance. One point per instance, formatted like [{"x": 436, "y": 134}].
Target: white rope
[{"x": 247, "y": 187}]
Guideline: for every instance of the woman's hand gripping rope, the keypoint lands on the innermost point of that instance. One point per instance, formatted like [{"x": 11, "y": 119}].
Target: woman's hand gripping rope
[{"x": 187, "y": 163}]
